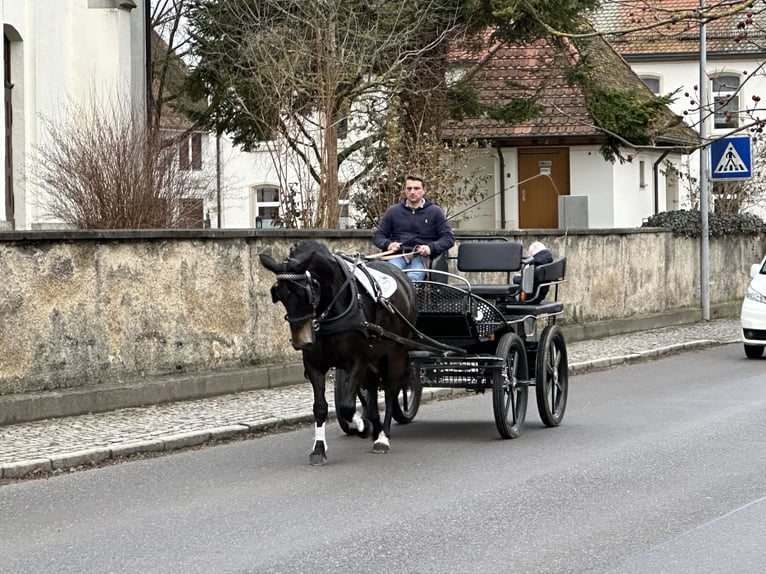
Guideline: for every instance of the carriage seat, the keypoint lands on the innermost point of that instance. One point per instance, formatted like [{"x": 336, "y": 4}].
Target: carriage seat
[
  {"x": 492, "y": 257},
  {"x": 438, "y": 263},
  {"x": 536, "y": 281}
]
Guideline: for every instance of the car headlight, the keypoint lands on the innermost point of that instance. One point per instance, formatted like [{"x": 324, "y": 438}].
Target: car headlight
[{"x": 754, "y": 295}]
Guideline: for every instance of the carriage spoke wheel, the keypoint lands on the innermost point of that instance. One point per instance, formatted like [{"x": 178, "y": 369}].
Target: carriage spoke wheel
[
  {"x": 346, "y": 395},
  {"x": 551, "y": 376},
  {"x": 408, "y": 401},
  {"x": 510, "y": 388}
]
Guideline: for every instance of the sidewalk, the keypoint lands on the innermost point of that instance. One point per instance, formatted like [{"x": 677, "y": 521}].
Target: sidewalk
[{"x": 55, "y": 445}]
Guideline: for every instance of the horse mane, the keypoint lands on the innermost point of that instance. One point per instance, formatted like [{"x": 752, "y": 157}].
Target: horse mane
[{"x": 306, "y": 251}]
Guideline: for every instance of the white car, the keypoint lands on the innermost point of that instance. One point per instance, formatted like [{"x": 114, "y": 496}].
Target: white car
[{"x": 753, "y": 315}]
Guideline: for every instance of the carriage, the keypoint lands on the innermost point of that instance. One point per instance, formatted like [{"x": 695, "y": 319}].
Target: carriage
[{"x": 496, "y": 331}]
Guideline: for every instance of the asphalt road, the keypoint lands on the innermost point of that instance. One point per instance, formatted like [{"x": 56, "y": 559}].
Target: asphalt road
[{"x": 658, "y": 467}]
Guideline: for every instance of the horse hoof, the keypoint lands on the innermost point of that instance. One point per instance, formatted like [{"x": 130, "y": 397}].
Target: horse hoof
[
  {"x": 317, "y": 459},
  {"x": 380, "y": 448}
]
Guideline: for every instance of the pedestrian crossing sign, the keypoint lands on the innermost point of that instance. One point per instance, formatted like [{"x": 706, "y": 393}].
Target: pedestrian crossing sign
[{"x": 731, "y": 158}]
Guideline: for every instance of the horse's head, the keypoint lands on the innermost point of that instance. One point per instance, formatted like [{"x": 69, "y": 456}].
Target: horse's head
[{"x": 299, "y": 291}]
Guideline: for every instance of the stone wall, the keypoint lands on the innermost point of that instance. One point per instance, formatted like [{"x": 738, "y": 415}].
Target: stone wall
[{"x": 83, "y": 309}]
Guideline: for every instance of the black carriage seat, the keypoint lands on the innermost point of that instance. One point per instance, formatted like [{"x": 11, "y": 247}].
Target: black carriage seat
[
  {"x": 438, "y": 263},
  {"x": 531, "y": 300},
  {"x": 491, "y": 257}
]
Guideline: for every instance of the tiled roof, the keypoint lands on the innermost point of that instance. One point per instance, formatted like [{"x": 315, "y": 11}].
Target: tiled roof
[
  {"x": 519, "y": 70},
  {"x": 655, "y": 32},
  {"x": 523, "y": 71}
]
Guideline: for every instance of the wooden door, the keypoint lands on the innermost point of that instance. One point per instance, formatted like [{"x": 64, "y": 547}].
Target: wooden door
[{"x": 543, "y": 176}]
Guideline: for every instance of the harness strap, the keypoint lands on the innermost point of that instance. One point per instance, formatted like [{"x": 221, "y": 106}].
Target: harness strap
[{"x": 352, "y": 285}]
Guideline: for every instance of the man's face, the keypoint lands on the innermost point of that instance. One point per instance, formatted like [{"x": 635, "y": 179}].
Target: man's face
[{"x": 414, "y": 190}]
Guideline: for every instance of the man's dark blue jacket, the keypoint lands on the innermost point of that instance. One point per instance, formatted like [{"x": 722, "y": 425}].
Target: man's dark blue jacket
[{"x": 426, "y": 225}]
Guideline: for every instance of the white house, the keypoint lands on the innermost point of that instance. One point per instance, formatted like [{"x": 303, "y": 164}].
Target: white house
[
  {"x": 667, "y": 59},
  {"x": 56, "y": 52},
  {"x": 547, "y": 171}
]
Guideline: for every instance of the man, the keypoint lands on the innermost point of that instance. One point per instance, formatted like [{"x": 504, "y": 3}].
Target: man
[{"x": 417, "y": 227}]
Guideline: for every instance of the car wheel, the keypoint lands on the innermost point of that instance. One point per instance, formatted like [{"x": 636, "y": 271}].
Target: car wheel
[{"x": 754, "y": 351}]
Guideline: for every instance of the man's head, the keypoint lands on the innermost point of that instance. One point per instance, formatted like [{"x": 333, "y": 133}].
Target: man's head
[{"x": 414, "y": 189}]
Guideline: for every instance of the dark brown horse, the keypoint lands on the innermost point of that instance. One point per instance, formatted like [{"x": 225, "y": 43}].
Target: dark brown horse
[{"x": 335, "y": 321}]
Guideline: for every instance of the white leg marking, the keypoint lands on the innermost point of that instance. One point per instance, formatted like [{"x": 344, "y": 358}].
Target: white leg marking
[
  {"x": 382, "y": 439},
  {"x": 358, "y": 421},
  {"x": 319, "y": 436}
]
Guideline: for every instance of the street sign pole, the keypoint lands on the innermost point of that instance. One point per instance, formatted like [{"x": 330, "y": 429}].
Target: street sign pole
[{"x": 704, "y": 236}]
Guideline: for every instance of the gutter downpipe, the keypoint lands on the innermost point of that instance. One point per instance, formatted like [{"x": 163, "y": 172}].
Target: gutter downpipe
[
  {"x": 656, "y": 177},
  {"x": 218, "y": 178},
  {"x": 148, "y": 50},
  {"x": 502, "y": 184}
]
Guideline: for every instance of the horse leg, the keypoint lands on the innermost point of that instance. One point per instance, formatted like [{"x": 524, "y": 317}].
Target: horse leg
[
  {"x": 398, "y": 369},
  {"x": 382, "y": 444},
  {"x": 318, "y": 454}
]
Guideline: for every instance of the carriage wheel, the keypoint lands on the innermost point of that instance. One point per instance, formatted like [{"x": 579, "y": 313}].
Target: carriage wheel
[
  {"x": 408, "y": 401},
  {"x": 509, "y": 394},
  {"x": 551, "y": 376},
  {"x": 346, "y": 395}
]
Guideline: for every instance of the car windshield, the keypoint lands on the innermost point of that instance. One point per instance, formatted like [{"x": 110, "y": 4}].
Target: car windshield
[{"x": 763, "y": 267}]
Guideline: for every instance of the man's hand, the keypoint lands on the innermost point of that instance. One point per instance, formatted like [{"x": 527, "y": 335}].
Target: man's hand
[
  {"x": 394, "y": 246},
  {"x": 423, "y": 250}
]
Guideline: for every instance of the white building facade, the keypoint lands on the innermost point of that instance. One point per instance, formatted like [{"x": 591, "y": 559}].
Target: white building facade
[{"x": 58, "y": 53}]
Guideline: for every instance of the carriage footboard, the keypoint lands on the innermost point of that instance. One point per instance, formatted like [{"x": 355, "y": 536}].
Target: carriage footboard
[{"x": 466, "y": 372}]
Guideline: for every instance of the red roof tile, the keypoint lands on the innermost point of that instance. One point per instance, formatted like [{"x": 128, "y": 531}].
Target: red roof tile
[
  {"x": 537, "y": 69},
  {"x": 671, "y": 27}
]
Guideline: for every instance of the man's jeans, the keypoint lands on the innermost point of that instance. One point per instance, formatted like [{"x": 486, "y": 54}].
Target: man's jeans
[{"x": 416, "y": 263}]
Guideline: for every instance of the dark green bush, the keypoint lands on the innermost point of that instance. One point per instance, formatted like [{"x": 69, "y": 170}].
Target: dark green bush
[{"x": 688, "y": 223}]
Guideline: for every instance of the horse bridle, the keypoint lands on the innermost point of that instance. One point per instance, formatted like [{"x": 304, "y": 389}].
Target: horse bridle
[
  {"x": 308, "y": 284},
  {"x": 313, "y": 290}
]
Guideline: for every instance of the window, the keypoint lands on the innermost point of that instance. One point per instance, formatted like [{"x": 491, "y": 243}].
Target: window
[
  {"x": 653, "y": 83},
  {"x": 343, "y": 128},
  {"x": 266, "y": 207},
  {"x": 345, "y": 220},
  {"x": 190, "y": 152},
  {"x": 726, "y": 100}
]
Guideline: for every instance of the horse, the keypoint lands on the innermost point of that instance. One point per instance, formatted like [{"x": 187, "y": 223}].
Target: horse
[{"x": 335, "y": 321}]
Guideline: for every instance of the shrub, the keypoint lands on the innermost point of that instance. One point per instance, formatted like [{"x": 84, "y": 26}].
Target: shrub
[{"x": 688, "y": 223}]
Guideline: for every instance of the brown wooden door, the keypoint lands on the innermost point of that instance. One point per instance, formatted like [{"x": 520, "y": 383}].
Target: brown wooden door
[{"x": 543, "y": 176}]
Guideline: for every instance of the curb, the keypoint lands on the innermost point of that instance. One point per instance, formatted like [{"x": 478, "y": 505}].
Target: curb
[
  {"x": 600, "y": 364},
  {"x": 172, "y": 442},
  {"x": 167, "y": 443}
]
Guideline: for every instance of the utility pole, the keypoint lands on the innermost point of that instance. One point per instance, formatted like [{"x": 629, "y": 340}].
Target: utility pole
[{"x": 704, "y": 150}]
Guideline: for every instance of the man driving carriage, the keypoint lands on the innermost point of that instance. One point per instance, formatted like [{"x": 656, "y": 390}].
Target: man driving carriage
[{"x": 416, "y": 227}]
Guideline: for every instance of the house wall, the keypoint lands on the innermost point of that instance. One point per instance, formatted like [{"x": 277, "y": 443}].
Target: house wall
[
  {"x": 510, "y": 188},
  {"x": 592, "y": 176},
  {"x": 66, "y": 52},
  {"x": 615, "y": 195},
  {"x": 86, "y": 309},
  {"x": 682, "y": 76},
  {"x": 487, "y": 214}
]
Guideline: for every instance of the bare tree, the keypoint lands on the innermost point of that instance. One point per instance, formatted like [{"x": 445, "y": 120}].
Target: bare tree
[
  {"x": 101, "y": 167},
  {"x": 169, "y": 52},
  {"x": 289, "y": 72}
]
